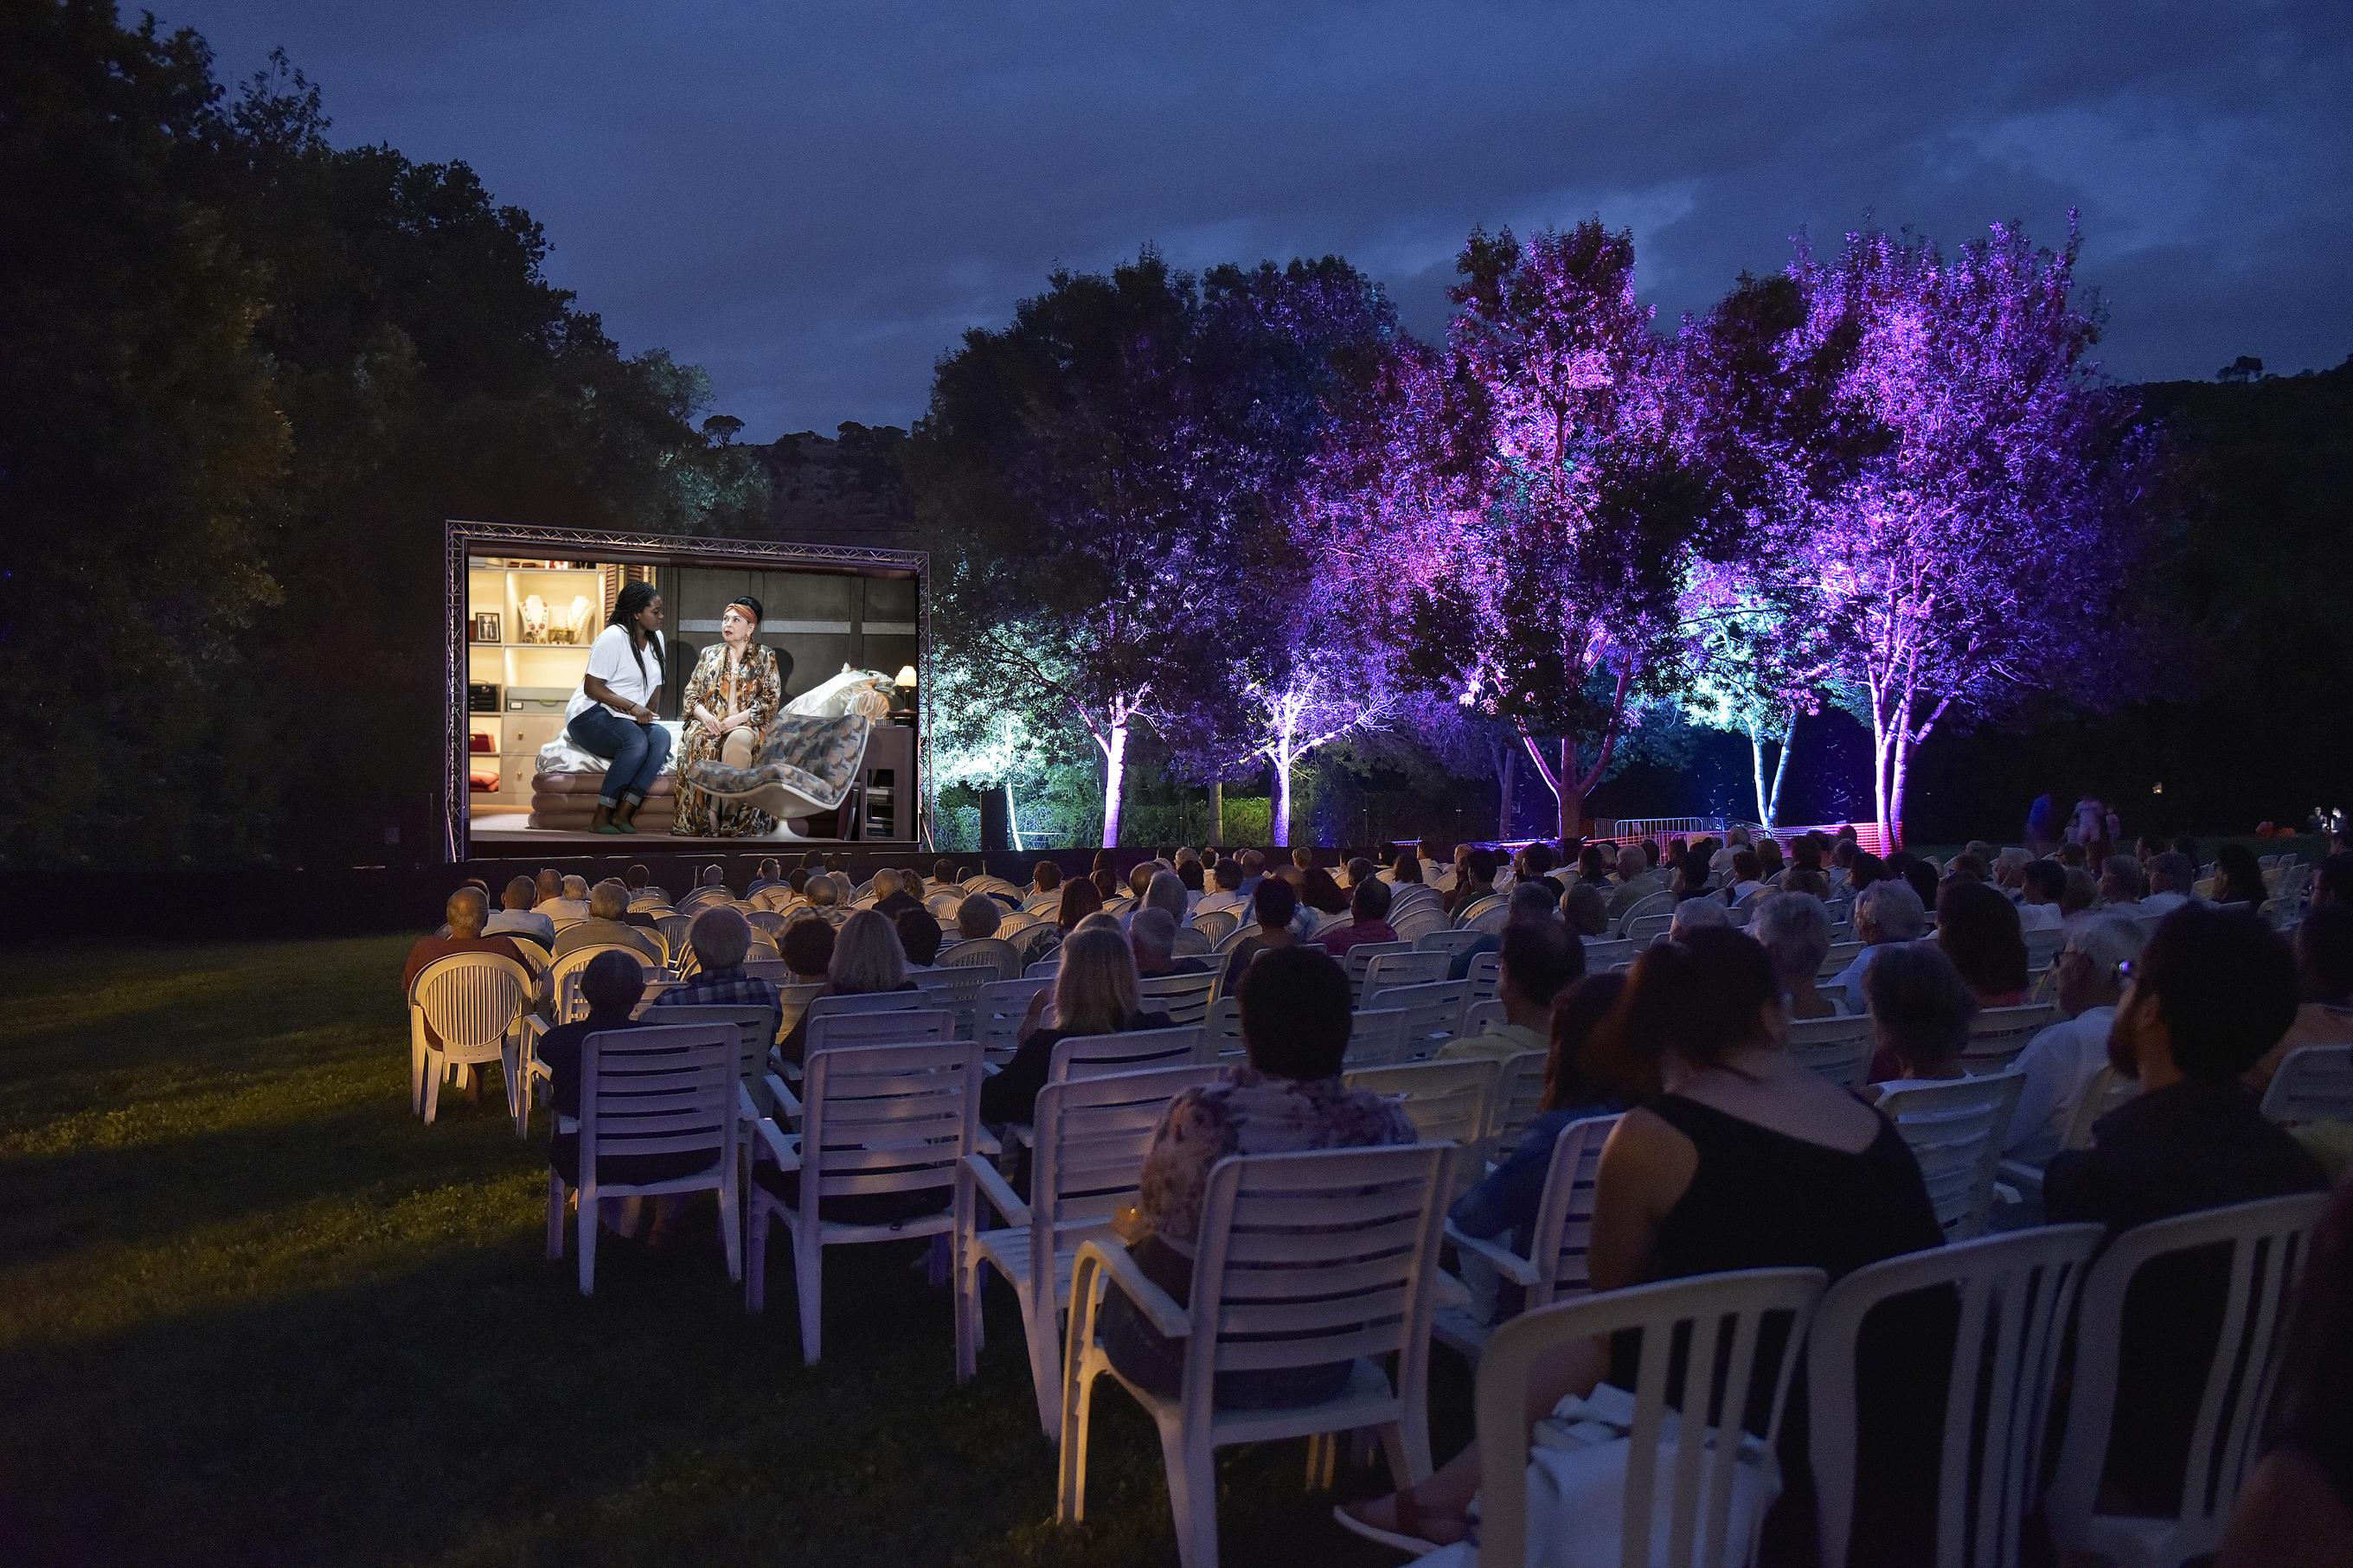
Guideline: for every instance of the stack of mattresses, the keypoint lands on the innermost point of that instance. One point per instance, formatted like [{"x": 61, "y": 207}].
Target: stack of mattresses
[{"x": 564, "y": 802}]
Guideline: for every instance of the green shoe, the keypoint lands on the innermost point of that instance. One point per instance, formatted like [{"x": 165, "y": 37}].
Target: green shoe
[
  {"x": 625, "y": 827},
  {"x": 610, "y": 827}
]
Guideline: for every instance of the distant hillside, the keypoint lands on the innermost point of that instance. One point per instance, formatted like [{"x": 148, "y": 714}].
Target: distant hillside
[{"x": 849, "y": 490}]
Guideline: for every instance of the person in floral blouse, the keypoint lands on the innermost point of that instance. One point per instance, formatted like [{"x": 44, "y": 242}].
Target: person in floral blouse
[
  {"x": 737, "y": 684},
  {"x": 1295, "y": 1024}
]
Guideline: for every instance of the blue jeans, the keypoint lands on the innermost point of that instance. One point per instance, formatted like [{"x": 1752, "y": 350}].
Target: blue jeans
[{"x": 637, "y": 752}]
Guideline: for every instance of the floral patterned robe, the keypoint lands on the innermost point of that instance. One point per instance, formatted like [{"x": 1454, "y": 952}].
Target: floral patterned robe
[{"x": 755, "y": 686}]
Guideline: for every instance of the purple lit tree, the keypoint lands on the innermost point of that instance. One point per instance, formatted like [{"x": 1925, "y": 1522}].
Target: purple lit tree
[{"x": 1978, "y": 559}]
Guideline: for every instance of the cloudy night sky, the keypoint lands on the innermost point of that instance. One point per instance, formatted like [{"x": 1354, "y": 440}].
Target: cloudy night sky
[{"x": 813, "y": 205}]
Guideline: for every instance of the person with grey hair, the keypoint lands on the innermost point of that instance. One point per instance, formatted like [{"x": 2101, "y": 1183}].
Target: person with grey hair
[
  {"x": 1636, "y": 882},
  {"x": 1370, "y": 903},
  {"x": 608, "y": 902},
  {"x": 465, "y": 911},
  {"x": 515, "y": 917},
  {"x": 2170, "y": 876},
  {"x": 1153, "y": 933},
  {"x": 1225, "y": 895},
  {"x": 1886, "y": 913},
  {"x": 1693, "y": 914},
  {"x": 1920, "y": 1013},
  {"x": 1165, "y": 890},
  {"x": 572, "y": 905},
  {"x": 720, "y": 937},
  {"x": 2120, "y": 882},
  {"x": 1584, "y": 910},
  {"x": 2058, "y": 1064},
  {"x": 1795, "y": 931},
  {"x": 977, "y": 917},
  {"x": 1535, "y": 900},
  {"x": 891, "y": 899},
  {"x": 2010, "y": 873}
]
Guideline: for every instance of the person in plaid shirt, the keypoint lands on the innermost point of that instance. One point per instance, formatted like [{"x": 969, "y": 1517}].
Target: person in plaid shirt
[{"x": 721, "y": 937}]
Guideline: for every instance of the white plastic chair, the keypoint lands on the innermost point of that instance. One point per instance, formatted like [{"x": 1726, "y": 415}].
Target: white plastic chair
[
  {"x": 1483, "y": 1018},
  {"x": 1184, "y": 997},
  {"x": 1682, "y": 1486},
  {"x": 1094, "y": 1056},
  {"x": 2107, "y": 1089},
  {"x": 2015, "y": 1294},
  {"x": 1486, "y": 918},
  {"x": 1376, "y": 1036},
  {"x": 1216, "y": 924},
  {"x": 1419, "y": 922},
  {"x": 1043, "y": 969},
  {"x": 475, "y": 1003},
  {"x": 655, "y": 1090},
  {"x": 560, "y": 986},
  {"x": 1644, "y": 907},
  {"x": 2314, "y": 1083},
  {"x": 2268, "y": 1243},
  {"x": 1835, "y": 962},
  {"x": 1359, "y": 958},
  {"x": 1448, "y": 1102},
  {"x": 1303, "y": 1260},
  {"x": 1224, "y": 1024},
  {"x": 1434, "y": 1012},
  {"x": 1955, "y": 1130},
  {"x": 1469, "y": 916},
  {"x": 1839, "y": 1047},
  {"x": 875, "y": 1121},
  {"x": 1449, "y": 941},
  {"x": 1485, "y": 975},
  {"x": 1998, "y": 1034},
  {"x": 1519, "y": 1098},
  {"x": 1553, "y": 1268},
  {"x": 874, "y": 1025},
  {"x": 992, "y": 954},
  {"x": 1600, "y": 955},
  {"x": 1091, "y": 1136},
  {"x": 1396, "y": 967},
  {"x": 998, "y": 1014}
]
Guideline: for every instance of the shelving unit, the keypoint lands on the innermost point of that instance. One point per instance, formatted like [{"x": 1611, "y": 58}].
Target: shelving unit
[{"x": 540, "y": 677}]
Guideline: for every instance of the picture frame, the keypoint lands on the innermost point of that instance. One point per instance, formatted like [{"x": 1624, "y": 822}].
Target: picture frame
[{"x": 486, "y": 626}]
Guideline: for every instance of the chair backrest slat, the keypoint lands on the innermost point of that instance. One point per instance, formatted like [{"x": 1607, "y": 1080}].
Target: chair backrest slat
[
  {"x": 898, "y": 1026},
  {"x": 657, "y": 1090},
  {"x": 1434, "y": 1011},
  {"x": 1184, "y": 997},
  {"x": 887, "y": 1119},
  {"x": 1376, "y": 1036},
  {"x": 1955, "y": 1130},
  {"x": 1998, "y": 1034},
  {"x": 1448, "y": 1102},
  {"x": 472, "y": 999},
  {"x": 1838, "y": 1047},
  {"x": 2314, "y": 1083},
  {"x": 1093, "y": 1056},
  {"x": 1519, "y": 1098},
  {"x": 1563, "y": 1223}
]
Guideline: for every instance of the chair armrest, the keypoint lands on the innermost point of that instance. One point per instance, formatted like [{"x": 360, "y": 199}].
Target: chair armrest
[
  {"x": 1510, "y": 1264},
  {"x": 1446, "y": 1290},
  {"x": 789, "y": 1104},
  {"x": 985, "y": 1143},
  {"x": 1165, "y": 1314},
  {"x": 998, "y": 1190},
  {"x": 783, "y": 1147},
  {"x": 2020, "y": 1175}
]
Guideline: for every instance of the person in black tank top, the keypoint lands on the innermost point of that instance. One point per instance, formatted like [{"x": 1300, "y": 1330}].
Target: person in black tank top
[{"x": 1749, "y": 1160}]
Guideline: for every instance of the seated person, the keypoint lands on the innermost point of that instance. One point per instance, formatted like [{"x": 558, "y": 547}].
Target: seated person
[
  {"x": 1226, "y": 896},
  {"x": 1195, "y": 880},
  {"x": 1584, "y": 910},
  {"x": 1794, "y": 929},
  {"x": 611, "y": 984},
  {"x": 570, "y": 904},
  {"x": 547, "y": 884},
  {"x": 1370, "y": 900},
  {"x": 807, "y": 949},
  {"x": 1295, "y": 1022},
  {"x": 2238, "y": 878},
  {"x": 465, "y": 911},
  {"x": 1636, "y": 882},
  {"x": 1165, "y": 890},
  {"x": 1406, "y": 868},
  {"x": 1360, "y": 869},
  {"x": 891, "y": 897},
  {"x": 1506, "y": 1198},
  {"x": 1153, "y": 935},
  {"x": 919, "y": 936},
  {"x": 1920, "y": 1013},
  {"x": 1978, "y": 930},
  {"x": 1319, "y": 892},
  {"x": 720, "y": 937},
  {"x": 1275, "y": 905},
  {"x": 1474, "y": 878},
  {"x": 2207, "y": 997},
  {"x": 1044, "y": 878},
  {"x": 1539, "y": 958},
  {"x": 1526, "y": 901},
  {"x": 867, "y": 959},
  {"x": 2170, "y": 876},
  {"x": 2079, "y": 895},
  {"x": 1747, "y": 876},
  {"x": 1094, "y": 994},
  {"x": 607, "y": 902},
  {"x": 2042, "y": 885},
  {"x": 2324, "y": 973},
  {"x": 2121, "y": 883},
  {"x": 1748, "y": 1160},
  {"x": 515, "y": 917},
  {"x": 1885, "y": 913},
  {"x": 1695, "y": 913},
  {"x": 2060, "y": 1061},
  {"x": 978, "y": 916}
]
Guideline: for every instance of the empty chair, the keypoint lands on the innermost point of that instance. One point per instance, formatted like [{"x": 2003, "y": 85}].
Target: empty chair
[
  {"x": 1358, "y": 959},
  {"x": 955, "y": 988},
  {"x": 1449, "y": 941},
  {"x": 1184, "y": 997},
  {"x": 1955, "y": 1130},
  {"x": 1419, "y": 921},
  {"x": 1399, "y": 967},
  {"x": 1694, "y": 1488},
  {"x": 1378, "y": 1036},
  {"x": 1552, "y": 1268},
  {"x": 2257, "y": 1250},
  {"x": 880, "y": 1156},
  {"x": 1998, "y": 1034},
  {"x": 1091, "y": 1137},
  {"x": 1434, "y": 1012},
  {"x": 2314, "y": 1083},
  {"x": 2014, "y": 1295},
  {"x": 466, "y": 1011},
  {"x": 1838, "y": 1047},
  {"x": 1302, "y": 1261},
  {"x": 658, "y": 1118},
  {"x": 1448, "y": 1102},
  {"x": 1485, "y": 975}
]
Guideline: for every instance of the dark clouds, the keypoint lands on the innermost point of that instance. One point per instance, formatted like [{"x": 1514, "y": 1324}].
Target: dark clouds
[{"x": 813, "y": 205}]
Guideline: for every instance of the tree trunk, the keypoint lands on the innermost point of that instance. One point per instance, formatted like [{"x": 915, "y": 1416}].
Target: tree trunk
[
  {"x": 1013, "y": 819},
  {"x": 1901, "y": 773},
  {"x": 1279, "y": 828},
  {"x": 1115, "y": 780},
  {"x": 1757, "y": 772},
  {"x": 1218, "y": 814},
  {"x": 1505, "y": 778},
  {"x": 1571, "y": 788},
  {"x": 1781, "y": 772},
  {"x": 1880, "y": 741}
]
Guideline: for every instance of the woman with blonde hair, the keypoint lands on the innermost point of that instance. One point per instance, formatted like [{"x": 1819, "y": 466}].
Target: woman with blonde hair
[
  {"x": 1095, "y": 992},
  {"x": 867, "y": 959}
]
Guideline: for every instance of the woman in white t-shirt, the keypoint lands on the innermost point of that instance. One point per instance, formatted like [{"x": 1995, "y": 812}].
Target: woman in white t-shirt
[{"x": 612, "y": 714}]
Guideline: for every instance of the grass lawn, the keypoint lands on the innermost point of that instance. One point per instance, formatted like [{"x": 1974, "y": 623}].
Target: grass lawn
[{"x": 252, "y": 1311}]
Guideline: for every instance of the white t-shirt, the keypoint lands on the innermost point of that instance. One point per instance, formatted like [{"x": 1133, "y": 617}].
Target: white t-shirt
[
  {"x": 611, "y": 661},
  {"x": 2041, "y": 917},
  {"x": 2058, "y": 1065}
]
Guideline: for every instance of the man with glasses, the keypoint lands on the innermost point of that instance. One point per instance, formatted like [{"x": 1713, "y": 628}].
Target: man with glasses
[{"x": 2059, "y": 1063}]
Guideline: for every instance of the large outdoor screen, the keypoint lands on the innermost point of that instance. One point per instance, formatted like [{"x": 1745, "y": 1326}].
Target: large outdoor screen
[{"x": 843, "y": 630}]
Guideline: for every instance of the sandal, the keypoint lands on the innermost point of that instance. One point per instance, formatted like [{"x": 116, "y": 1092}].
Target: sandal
[{"x": 1410, "y": 1536}]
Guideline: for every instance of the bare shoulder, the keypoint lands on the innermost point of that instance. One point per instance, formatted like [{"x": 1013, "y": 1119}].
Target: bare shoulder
[{"x": 2289, "y": 1516}]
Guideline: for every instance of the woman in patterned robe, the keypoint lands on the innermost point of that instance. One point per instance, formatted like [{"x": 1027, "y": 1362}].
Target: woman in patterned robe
[{"x": 738, "y": 685}]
